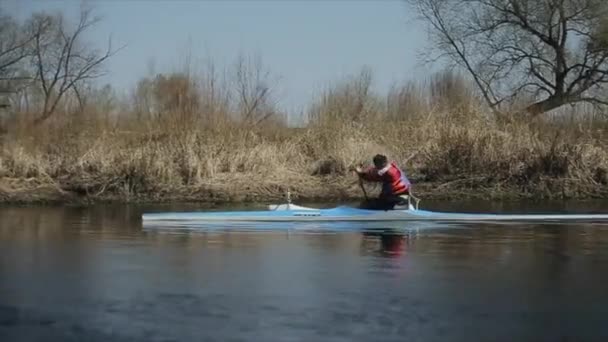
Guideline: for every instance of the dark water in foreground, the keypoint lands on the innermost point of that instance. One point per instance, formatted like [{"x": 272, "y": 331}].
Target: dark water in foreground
[{"x": 93, "y": 274}]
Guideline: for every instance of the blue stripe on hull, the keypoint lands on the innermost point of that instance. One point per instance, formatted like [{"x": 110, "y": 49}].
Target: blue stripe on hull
[
  {"x": 349, "y": 214},
  {"x": 333, "y": 212}
]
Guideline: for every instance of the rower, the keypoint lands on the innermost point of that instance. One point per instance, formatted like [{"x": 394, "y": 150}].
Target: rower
[{"x": 395, "y": 185}]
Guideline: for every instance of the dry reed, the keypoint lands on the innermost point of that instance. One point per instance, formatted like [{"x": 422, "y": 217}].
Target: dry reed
[{"x": 438, "y": 133}]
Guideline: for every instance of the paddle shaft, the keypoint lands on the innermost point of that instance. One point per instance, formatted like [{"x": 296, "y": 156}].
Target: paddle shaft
[{"x": 362, "y": 187}]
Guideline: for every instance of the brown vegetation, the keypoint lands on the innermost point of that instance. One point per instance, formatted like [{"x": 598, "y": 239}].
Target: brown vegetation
[{"x": 184, "y": 150}]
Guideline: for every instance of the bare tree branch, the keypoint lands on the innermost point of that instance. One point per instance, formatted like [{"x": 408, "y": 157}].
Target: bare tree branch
[
  {"x": 432, "y": 11},
  {"x": 252, "y": 87},
  {"x": 556, "y": 50},
  {"x": 62, "y": 60},
  {"x": 14, "y": 49}
]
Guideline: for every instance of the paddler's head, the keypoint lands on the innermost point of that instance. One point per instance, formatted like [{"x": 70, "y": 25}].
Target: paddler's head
[{"x": 380, "y": 161}]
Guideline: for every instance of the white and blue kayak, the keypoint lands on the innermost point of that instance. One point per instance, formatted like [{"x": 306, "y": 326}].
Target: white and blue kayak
[{"x": 290, "y": 213}]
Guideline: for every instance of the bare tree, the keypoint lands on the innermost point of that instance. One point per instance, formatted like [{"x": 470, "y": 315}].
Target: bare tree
[
  {"x": 252, "y": 86},
  {"x": 143, "y": 98},
  {"x": 352, "y": 99},
  {"x": 554, "y": 52},
  {"x": 14, "y": 48},
  {"x": 61, "y": 60},
  {"x": 176, "y": 93},
  {"x": 215, "y": 91}
]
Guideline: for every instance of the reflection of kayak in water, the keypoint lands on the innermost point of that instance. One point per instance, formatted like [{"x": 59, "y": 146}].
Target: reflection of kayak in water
[{"x": 290, "y": 213}]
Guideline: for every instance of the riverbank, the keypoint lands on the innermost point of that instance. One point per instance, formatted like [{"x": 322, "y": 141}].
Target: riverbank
[
  {"x": 446, "y": 158},
  {"x": 33, "y": 191}
]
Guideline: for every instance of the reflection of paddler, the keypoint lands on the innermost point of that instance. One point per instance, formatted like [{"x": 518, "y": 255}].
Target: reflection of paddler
[{"x": 392, "y": 244}]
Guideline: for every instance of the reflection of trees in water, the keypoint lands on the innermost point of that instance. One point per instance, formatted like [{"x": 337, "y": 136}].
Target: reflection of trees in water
[{"x": 32, "y": 223}]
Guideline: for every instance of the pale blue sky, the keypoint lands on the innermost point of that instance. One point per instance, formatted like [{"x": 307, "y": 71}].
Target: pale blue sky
[{"x": 306, "y": 43}]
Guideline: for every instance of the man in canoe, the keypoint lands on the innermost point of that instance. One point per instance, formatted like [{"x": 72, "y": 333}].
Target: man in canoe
[{"x": 395, "y": 185}]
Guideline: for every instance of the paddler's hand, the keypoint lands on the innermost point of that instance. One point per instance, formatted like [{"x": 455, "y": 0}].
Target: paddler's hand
[{"x": 359, "y": 169}]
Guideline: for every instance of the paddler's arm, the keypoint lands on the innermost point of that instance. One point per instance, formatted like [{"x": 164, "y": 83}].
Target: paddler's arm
[{"x": 369, "y": 174}]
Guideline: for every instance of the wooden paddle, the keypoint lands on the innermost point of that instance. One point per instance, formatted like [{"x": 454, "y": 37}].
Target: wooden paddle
[
  {"x": 362, "y": 187},
  {"x": 353, "y": 169}
]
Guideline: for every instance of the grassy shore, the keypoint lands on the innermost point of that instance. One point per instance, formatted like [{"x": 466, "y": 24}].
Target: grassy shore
[
  {"x": 209, "y": 151},
  {"x": 445, "y": 156}
]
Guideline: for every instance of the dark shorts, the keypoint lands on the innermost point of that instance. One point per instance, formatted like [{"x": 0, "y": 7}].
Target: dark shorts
[{"x": 383, "y": 203}]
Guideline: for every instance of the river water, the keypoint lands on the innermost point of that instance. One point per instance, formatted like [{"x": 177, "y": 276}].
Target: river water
[{"x": 94, "y": 274}]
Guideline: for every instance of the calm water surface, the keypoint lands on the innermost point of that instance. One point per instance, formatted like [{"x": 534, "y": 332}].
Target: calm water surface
[{"x": 93, "y": 274}]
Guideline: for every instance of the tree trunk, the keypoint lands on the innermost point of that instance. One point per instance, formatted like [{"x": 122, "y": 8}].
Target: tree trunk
[
  {"x": 45, "y": 115},
  {"x": 546, "y": 105}
]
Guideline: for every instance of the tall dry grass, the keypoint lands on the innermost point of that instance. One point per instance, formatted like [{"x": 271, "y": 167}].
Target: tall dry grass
[{"x": 186, "y": 142}]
